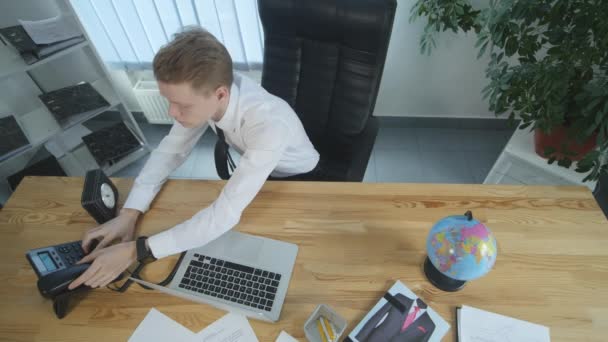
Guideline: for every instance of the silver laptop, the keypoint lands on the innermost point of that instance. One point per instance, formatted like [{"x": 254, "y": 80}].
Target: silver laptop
[{"x": 236, "y": 272}]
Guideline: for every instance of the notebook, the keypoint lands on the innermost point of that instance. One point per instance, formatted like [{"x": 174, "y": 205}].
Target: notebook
[
  {"x": 28, "y": 49},
  {"x": 400, "y": 316},
  {"x": 479, "y": 325},
  {"x": 13, "y": 139},
  {"x": 110, "y": 144},
  {"x": 73, "y": 100}
]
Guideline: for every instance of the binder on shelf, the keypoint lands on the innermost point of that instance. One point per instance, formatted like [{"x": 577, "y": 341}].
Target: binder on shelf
[
  {"x": 73, "y": 100},
  {"x": 110, "y": 144},
  {"x": 29, "y": 50},
  {"x": 13, "y": 139}
]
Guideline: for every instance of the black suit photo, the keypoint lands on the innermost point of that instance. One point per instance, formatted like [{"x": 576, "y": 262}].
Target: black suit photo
[{"x": 390, "y": 329}]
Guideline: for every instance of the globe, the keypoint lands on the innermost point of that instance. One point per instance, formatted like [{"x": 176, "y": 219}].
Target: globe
[{"x": 459, "y": 249}]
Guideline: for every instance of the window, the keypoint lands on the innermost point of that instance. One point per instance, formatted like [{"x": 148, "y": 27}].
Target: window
[{"x": 127, "y": 33}]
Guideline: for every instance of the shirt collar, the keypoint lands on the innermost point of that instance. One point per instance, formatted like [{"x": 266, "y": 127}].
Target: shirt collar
[
  {"x": 226, "y": 123},
  {"x": 420, "y": 310}
]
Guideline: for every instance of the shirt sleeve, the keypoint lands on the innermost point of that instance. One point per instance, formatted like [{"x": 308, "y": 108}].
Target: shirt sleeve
[
  {"x": 172, "y": 151},
  {"x": 265, "y": 146}
]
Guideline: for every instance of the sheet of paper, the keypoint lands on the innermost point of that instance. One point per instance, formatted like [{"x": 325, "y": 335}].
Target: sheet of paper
[
  {"x": 476, "y": 325},
  {"x": 230, "y": 328},
  {"x": 285, "y": 337},
  {"x": 158, "y": 327},
  {"x": 51, "y": 30},
  {"x": 66, "y": 141}
]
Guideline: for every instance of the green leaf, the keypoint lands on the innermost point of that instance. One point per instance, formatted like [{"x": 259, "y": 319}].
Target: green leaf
[
  {"x": 525, "y": 125},
  {"x": 565, "y": 162},
  {"x": 602, "y": 115},
  {"x": 554, "y": 50},
  {"x": 549, "y": 150},
  {"x": 583, "y": 168},
  {"x": 592, "y": 104},
  {"x": 482, "y": 38},
  {"x": 482, "y": 50},
  {"x": 511, "y": 46},
  {"x": 459, "y": 9}
]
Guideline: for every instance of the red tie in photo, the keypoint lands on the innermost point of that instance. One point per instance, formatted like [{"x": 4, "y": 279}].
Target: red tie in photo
[{"x": 410, "y": 318}]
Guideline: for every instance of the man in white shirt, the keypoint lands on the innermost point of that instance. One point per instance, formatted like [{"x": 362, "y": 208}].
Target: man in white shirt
[{"x": 194, "y": 72}]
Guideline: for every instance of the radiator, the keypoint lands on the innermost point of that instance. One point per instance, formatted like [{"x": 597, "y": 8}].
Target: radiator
[{"x": 154, "y": 106}]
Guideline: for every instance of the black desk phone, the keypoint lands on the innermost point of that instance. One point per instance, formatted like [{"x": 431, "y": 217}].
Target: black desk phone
[
  {"x": 54, "y": 258},
  {"x": 56, "y": 266}
]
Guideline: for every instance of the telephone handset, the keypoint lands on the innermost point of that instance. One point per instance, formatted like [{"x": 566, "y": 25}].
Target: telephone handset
[
  {"x": 56, "y": 283},
  {"x": 56, "y": 266}
]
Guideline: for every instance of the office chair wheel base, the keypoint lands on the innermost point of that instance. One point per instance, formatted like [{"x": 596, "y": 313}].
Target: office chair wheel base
[{"x": 440, "y": 280}]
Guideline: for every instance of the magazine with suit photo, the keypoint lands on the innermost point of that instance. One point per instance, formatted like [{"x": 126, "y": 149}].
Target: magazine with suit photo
[{"x": 400, "y": 316}]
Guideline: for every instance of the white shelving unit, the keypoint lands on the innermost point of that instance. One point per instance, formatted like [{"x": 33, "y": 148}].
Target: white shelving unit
[
  {"x": 519, "y": 164},
  {"x": 12, "y": 63},
  {"x": 39, "y": 125},
  {"x": 36, "y": 121}
]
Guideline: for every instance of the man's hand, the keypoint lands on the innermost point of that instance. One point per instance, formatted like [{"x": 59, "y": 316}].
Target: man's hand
[
  {"x": 108, "y": 264},
  {"x": 121, "y": 227}
]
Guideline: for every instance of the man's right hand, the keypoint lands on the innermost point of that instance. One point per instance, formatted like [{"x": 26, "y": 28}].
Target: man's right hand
[{"x": 121, "y": 227}]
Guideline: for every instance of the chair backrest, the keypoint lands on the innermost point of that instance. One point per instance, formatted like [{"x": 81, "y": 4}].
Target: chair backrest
[{"x": 325, "y": 58}]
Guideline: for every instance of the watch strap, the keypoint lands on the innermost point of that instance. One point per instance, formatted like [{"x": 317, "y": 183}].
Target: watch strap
[{"x": 143, "y": 254}]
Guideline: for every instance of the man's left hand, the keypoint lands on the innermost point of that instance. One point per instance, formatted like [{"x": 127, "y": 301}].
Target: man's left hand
[{"x": 108, "y": 264}]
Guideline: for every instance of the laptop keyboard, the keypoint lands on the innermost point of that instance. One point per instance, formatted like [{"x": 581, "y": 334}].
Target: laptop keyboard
[{"x": 231, "y": 282}]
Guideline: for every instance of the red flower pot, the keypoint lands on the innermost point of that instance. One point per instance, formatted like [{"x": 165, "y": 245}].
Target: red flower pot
[{"x": 556, "y": 139}]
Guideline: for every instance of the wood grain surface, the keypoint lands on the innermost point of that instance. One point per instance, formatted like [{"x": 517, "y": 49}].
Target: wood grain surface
[{"x": 355, "y": 241}]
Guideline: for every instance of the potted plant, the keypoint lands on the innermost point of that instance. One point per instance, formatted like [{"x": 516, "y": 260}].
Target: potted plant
[{"x": 548, "y": 67}]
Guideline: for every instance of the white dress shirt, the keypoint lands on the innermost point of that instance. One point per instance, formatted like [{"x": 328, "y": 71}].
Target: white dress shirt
[{"x": 267, "y": 133}]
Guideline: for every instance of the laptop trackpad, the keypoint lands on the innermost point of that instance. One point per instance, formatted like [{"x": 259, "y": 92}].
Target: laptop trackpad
[{"x": 237, "y": 246}]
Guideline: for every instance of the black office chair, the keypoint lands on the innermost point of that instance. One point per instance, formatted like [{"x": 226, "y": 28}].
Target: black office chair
[
  {"x": 601, "y": 193},
  {"x": 325, "y": 58}
]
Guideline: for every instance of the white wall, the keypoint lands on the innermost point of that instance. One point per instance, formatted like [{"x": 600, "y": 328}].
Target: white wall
[{"x": 446, "y": 84}]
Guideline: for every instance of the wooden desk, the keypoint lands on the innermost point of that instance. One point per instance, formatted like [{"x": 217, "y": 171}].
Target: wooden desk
[{"x": 355, "y": 241}]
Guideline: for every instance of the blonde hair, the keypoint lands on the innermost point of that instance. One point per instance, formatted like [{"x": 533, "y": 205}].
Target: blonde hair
[{"x": 196, "y": 56}]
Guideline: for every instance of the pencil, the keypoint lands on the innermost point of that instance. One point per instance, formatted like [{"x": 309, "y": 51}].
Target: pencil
[{"x": 321, "y": 332}]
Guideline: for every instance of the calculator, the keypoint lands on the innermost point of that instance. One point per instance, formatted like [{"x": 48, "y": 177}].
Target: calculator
[{"x": 50, "y": 259}]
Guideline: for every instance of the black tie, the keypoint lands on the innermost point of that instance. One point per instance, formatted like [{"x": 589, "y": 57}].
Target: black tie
[{"x": 222, "y": 154}]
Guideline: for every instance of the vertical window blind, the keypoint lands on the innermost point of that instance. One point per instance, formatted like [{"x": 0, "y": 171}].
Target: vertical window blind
[{"x": 128, "y": 33}]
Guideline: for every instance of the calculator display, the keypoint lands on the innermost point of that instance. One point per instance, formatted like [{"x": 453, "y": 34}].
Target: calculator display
[{"x": 48, "y": 262}]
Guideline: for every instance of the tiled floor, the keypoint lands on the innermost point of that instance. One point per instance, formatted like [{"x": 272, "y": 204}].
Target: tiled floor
[
  {"x": 406, "y": 150},
  {"x": 435, "y": 154}
]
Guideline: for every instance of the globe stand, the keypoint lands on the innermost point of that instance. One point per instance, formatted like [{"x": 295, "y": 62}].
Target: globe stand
[{"x": 440, "y": 280}]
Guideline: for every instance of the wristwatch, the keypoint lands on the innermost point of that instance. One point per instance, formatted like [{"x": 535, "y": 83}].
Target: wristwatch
[{"x": 144, "y": 255}]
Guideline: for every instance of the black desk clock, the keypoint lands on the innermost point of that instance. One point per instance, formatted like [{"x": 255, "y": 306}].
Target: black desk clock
[{"x": 99, "y": 196}]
